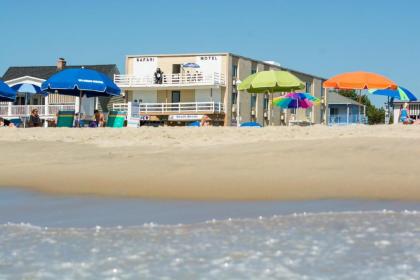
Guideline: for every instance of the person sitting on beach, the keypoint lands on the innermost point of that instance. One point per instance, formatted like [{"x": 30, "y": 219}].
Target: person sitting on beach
[
  {"x": 404, "y": 115},
  {"x": 99, "y": 119},
  {"x": 205, "y": 121},
  {"x": 34, "y": 119},
  {"x": 6, "y": 123}
]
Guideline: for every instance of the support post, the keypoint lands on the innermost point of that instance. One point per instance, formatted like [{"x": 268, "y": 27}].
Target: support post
[
  {"x": 238, "y": 108},
  {"x": 129, "y": 109},
  {"x": 9, "y": 109},
  {"x": 348, "y": 113},
  {"x": 46, "y": 104}
]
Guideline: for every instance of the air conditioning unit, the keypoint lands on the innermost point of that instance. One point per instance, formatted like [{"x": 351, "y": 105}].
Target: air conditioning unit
[
  {"x": 233, "y": 108},
  {"x": 265, "y": 114},
  {"x": 253, "y": 113}
]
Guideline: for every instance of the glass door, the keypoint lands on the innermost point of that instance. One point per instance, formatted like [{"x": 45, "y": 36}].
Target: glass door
[{"x": 176, "y": 96}]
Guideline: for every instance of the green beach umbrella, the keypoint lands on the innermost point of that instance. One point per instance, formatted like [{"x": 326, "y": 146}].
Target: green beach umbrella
[{"x": 271, "y": 81}]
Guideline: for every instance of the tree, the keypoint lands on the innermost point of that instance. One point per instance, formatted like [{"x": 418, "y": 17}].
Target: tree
[{"x": 375, "y": 115}]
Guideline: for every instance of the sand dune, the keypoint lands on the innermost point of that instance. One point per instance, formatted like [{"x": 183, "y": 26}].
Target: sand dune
[{"x": 377, "y": 162}]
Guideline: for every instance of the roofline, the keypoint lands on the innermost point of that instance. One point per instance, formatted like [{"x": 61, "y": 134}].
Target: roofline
[
  {"x": 86, "y": 65},
  {"x": 24, "y": 77},
  {"x": 356, "y": 103},
  {"x": 402, "y": 102},
  {"x": 351, "y": 101},
  {"x": 280, "y": 67},
  {"x": 227, "y": 54}
]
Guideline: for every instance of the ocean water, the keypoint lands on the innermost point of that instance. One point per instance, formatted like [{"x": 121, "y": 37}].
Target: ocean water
[{"x": 340, "y": 243}]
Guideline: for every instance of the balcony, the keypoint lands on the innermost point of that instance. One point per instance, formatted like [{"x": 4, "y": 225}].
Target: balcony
[
  {"x": 44, "y": 111},
  {"x": 182, "y": 108},
  {"x": 173, "y": 81}
]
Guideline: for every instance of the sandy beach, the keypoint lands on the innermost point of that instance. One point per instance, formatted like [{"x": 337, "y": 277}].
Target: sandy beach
[{"x": 276, "y": 163}]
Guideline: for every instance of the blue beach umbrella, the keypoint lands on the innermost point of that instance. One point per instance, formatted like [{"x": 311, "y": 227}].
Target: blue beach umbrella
[
  {"x": 191, "y": 65},
  {"x": 7, "y": 94},
  {"x": 400, "y": 93},
  {"x": 81, "y": 82},
  {"x": 28, "y": 88}
]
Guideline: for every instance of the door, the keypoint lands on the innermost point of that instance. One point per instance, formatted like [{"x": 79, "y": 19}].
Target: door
[
  {"x": 176, "y": 68},
  {"x": 176, "y": 96},
  {"x": 176, "y": 73}
]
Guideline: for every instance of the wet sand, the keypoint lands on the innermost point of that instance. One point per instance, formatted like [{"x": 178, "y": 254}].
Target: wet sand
[
  {"x": 41, "y": 209},
  {"x": 279, "y": 163}
]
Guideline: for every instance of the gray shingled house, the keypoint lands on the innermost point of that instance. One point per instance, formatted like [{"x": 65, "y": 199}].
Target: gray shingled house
[{"x": 37, "y": 74}]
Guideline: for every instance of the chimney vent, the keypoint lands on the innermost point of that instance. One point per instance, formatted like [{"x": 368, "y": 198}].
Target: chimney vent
[{"x": 61, "y": 63}]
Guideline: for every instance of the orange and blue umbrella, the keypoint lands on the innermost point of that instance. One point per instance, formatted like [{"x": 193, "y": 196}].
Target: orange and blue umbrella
[
  {"x": 296, "y": 100},
  {"x": 400, "y": 93}
]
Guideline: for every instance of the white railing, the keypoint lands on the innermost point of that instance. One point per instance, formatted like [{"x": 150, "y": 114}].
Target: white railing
[
  {"x": 25, "y": 110},
  {"x": 120, "y": 107},
  {"x": 171, "y": 108},
  {"x": 184, "y": 79}
]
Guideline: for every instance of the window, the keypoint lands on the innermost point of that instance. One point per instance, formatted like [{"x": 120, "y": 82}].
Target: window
[
  {"x": 253, "y": 101},
  {"x": 333, "y": 111},
  {"x": 266, "y": 101},
  {"x": 308, "y": 87},
  {"x": 253, "y": 71},
  {"x": 234, "y": 71},
  {"x": 234, "y": 97}
]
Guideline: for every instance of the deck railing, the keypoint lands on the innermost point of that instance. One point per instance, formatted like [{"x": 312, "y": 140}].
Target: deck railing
[
  {"x": 7, "y": 110},
  {"x": 179, "y": 80},
  {"x": 343, "y": 120},
  {"x": 170, "y": 108}
]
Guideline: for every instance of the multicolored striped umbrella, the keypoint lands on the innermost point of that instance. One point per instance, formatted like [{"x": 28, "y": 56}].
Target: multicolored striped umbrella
[
  {"x": 296, "y": 100},
  {"x": 400, "y": 93}
]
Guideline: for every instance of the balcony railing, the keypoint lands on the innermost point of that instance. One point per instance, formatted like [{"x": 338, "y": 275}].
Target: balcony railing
[
  {"x": 344, "y": 120},
  {"x": 25, "y": 110},
  {"x": 170, "y": 108},
  {"x": 171, "y": 80}
]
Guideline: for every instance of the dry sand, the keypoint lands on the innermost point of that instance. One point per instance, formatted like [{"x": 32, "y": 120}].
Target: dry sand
[{"x": 372, "y": 162}]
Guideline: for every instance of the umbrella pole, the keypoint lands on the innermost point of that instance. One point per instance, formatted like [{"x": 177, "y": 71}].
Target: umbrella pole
[
  {"x": 271, "y": 107},
  {"x": 26, "y": 103},
  {"x": 80, "y": 108}
]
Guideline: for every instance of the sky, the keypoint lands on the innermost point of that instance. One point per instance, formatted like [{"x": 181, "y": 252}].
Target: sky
[{"x": 321, "y": 37}]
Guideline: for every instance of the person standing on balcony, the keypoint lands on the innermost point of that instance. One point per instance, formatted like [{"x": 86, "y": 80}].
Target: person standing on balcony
[{"x": 158, "y": 76}]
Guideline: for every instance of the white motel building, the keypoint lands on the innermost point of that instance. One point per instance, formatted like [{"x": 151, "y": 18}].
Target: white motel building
[{"x": 176, "y": 89}]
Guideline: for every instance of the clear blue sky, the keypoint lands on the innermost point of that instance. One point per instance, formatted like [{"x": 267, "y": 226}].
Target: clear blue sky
[{"x": 323, "y": 37}]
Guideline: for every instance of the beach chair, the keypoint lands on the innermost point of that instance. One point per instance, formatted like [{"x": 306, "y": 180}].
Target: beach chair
[
  {"x": 65, "y": 119},
  {"x": 250, "y": 124},
  {"x": 116, "y": 119},
  {"x": 16, "y": 122}
]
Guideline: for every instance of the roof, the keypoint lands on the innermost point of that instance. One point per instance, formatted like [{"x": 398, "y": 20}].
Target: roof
[
  {"x": 232, "y": 54},
  {"x": 338, "y": 99},
  {"x": 44, "y": 72}
]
